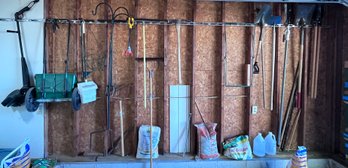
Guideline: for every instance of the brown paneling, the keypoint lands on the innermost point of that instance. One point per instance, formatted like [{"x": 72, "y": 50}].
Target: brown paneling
[
  {"x": 237, "y": 53},
  {"x": 201, "y": 48},
  {"x": 154, "y": 48},
  {"x": 176, "y": 10}
]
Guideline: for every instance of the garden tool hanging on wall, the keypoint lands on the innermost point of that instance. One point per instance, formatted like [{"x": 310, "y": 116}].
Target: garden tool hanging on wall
[
  {"x": 316, "y": 51},
  {"x": 130, "y": 23},
  {"x": 286, "y": 40},
  {"x": 16, "y": 97},
  {"x": 276, "y": 21},
  {"x": 263, "y": 18},
  {"x": 303, "y": 17}
]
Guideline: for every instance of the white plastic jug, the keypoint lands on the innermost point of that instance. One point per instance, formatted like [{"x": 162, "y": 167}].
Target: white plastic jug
[
  {"x": 271, "y": 144},
  {"x": 259, "y": 146}
]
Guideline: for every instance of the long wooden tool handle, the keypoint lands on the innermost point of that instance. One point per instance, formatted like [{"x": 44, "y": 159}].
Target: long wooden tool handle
[
  {"x": 144, "y": 60},
  {"x": 299, "y": 96},
  {"x": 317, "y": 64},
  {"x": 273, "y": 65},
  {"x": 287, "y": 36},
  {"x": 314, "y": 61},
  {"x": 178, "y": 29},
  {"x": 121, "y": 126},
  {"x": 151, "y": 99}
]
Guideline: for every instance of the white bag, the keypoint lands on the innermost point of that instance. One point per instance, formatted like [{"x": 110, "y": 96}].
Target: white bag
[{"x": 144, "y": 141}]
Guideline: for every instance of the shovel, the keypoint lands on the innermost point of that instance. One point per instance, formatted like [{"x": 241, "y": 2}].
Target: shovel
[
  {"x": 16, "y": 97},
  {"x": 303, "y": 17}
]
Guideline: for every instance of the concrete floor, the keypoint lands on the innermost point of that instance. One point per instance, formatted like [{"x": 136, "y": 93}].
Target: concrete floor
[
  {"x": 255, "y": 163},
  {"x": 178, "y": 161}
]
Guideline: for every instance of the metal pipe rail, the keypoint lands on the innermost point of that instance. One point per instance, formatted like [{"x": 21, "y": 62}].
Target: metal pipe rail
[
  {"x": 141, "y": 21},
  {"x": 343, "y": 2}
]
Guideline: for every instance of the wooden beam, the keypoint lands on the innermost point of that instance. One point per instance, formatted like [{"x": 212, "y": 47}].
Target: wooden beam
[
  {"x": 48, "y": 40},
  {"x": 222, "y": 102},
  {"x": 107, "y": 42},
  {"x": 135, "y": 133},
  {"x": 166, "y": 132},
  {"x": 77, "y": 118},
  {"x": 193, "y": 109}
]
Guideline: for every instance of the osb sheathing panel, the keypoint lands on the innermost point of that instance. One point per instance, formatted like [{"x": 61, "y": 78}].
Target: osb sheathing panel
[
  {"x": 207, "y": 62},
  {"x": 92, "y": 116},
  {"x": 60, "y": 115},
  {"x": 177, "y": 10},
  {"x": 207, "y": 73},
  {"x": 154, "y": 48},
  {"x": 237, "y": 53},
  {"x": 62, "y": 9},
  {"x": 123, "y": 76}
]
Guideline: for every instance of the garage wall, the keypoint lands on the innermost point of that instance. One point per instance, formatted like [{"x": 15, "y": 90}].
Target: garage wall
[
  {"x": 202, "y": 54},
  {"x": 16, "y": 124}
]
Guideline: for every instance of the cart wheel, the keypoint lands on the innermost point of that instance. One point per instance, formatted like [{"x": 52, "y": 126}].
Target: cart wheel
[
  {"x": 30, "y": 103},
  {"x": 75, "y": 100}
]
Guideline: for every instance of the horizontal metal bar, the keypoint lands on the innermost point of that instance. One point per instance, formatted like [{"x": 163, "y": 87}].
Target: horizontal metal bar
[
  {"x": 280, "y": 1},
  {"x": 144, "y": 21},
  {"x": 52, "y": 100},
  {"x": 159, "y": 97}
]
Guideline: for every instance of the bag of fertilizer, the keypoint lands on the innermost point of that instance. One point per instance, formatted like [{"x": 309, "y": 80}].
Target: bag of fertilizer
[
  {"x": 238, "y": 148},
  {"x": 143, "y": 150},
  {"x": 207, "y": 144}
]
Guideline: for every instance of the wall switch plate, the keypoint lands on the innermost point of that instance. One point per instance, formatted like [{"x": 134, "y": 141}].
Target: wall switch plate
[{"x": 253, "y": 109}]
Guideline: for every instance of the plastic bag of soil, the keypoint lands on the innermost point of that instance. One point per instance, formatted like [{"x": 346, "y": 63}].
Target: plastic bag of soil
[
  {"x": 238, "y": 148},
  {"x": 144, "y": 141},
  {"x": 207, "y": 144}
]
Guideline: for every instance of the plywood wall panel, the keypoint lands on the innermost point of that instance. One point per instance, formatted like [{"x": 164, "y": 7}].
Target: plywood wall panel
[
  {"x": 237, "y": 53},
  {"x": 206, "y": 74},
  {"x": 60, "y": 114},
  {"x": 177, "y": 10},
  {"x": 62, "y": 9},
  {"x": 154, "y": 48},
  {"x": 208, "y": 52}
]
